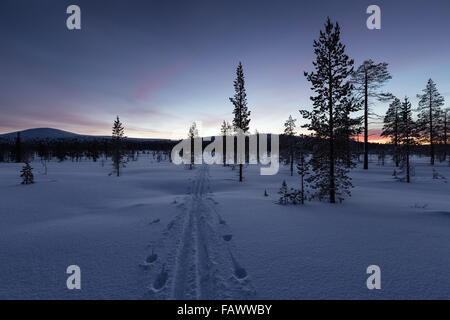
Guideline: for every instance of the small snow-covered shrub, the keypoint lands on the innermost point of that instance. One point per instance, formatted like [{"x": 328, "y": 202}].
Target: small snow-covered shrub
[{"x": 437, "y": 175}]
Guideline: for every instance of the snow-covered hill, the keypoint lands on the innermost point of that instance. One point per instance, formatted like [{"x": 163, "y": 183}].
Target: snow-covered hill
[
  {"x": 53, "y": 134},
  {"x": 41, "y": 134}
]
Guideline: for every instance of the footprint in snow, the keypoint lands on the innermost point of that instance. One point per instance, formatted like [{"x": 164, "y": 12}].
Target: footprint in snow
[
  {"x": 161, "y": 279},
  {"x": 240, "y": 273},
  {"x": 152, "y": 258},
  {"x": 221, "y": 221},
  {"x": 154, "y": 221},
  {"x": 170, "y": 225},
  {"x": 227, "y": 237}
]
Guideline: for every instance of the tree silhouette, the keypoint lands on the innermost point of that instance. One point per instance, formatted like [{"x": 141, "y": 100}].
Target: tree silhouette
[
  {"x": 289, "y": 131},
  {"x": 368, "y": 79},
  {"x": 241, "y": 113},
  {"x": 117, "y": 138},
  {"x": 430, "y": 103},
  {"x": 225, "y": 130},
  {"x": 406, "y": 135},
  {"x": 391, "y": 126},
  {"x": 330, "y": 83},
  {"x": 192, "y": 134}
]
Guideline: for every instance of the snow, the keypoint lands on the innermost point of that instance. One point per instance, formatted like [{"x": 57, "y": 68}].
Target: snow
[{"x": 161, "y": 231}]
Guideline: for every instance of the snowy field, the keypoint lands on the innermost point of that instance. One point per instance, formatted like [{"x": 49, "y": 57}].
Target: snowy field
[{"x": 161, "y": 231}]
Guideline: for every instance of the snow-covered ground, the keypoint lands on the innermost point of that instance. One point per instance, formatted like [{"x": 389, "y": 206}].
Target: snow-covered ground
[{"x": 161, "y": 231}]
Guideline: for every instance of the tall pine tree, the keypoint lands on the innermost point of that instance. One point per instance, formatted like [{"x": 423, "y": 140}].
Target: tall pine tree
[
  {"x": 368, "y": 79},
  {"x": 289, "y": 131},
  {"x": 241, "y": 113},
  {"x": 331, "y": 85},
  {"x": 430, "y": 102},
  {"x": 407, "y": 132},
  {"x": 117, "y": 138},
  {"x": 391, "y": 126}
]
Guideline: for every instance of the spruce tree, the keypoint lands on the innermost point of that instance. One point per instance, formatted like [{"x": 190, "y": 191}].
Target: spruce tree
[
  {"x": 430, "y": 102},
  {"x": 284, "y": 194},
  {"x": 289, "y": 131},
  {"x": 241, "y": 113},
  {"x": 407, "y": 132},
  {"x": 330, "y": 83},
  {"x": 391, "y": 126},
  {"x": 27, "y": 174},
  {"x": 117, "y": 139},
  {"x": 368, "y": 79}
]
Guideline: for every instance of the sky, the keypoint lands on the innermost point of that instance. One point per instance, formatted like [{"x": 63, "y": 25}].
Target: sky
[{"x": 160, "y": 65}]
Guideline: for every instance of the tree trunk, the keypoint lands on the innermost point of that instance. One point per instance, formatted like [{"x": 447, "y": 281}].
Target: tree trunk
[
  {"x": 366, "y": 124},
  {"x": 224, "y": 150},
  {"x": 292, "y": 161},
  {"x": 240, "y": 172},
  {"x": 257, "y": 147},
  {"x": 303, "y": 189},
  {"x": 397, "y": 160},
  {"x": 191, "y": 165},
  {"x": 330, "y": 106},
  {"x": 431, "y": 133},
  {"x": 407, "y": 163}
]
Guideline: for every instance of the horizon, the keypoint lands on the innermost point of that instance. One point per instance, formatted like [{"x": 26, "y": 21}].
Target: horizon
[{"x": 161, "y": 69}]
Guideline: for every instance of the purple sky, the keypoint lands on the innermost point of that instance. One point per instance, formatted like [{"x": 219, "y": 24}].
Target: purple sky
[{"x": 160, "y": 65}]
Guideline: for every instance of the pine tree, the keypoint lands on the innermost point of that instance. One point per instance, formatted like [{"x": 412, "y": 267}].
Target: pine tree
[
  {"x": 117, "y": 139},
  {"x": 303, "y": 171},
  {"x": 331, "y": 85},
  {"x": 27, "y": 174},
  {"x": 192, "y": 135},
  {"x": 284, "y": 195},
  {"x": 429, "y": 109},
  {"x": 391, "y": 126},
  {"x": 241, "y": 113},
  {"x": 406, "y": 130},
  {"x": 289, "y": 132},
  {"x": 368, "y": 79}
]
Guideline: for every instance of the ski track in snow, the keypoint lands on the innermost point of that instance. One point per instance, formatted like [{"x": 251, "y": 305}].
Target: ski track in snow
[{"x": 198, "y": 259}]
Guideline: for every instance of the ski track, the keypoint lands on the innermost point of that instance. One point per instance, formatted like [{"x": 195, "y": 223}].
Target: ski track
[{"x": 196, "y": 254}]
